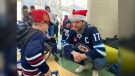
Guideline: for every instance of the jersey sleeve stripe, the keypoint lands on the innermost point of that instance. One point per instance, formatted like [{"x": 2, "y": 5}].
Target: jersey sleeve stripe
[
  {"x": 38, "y": 64},
  {"x": 101, "y": 52},
  {"x": 34, "y": 57},
  {"x": 36, "y": 60}
]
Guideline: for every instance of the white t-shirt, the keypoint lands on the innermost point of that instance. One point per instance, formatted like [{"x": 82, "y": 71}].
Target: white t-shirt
[{"x": 52, "y": 17}]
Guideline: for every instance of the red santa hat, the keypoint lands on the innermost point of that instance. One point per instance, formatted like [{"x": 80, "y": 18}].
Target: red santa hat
[{"x": 79, "y": 15}]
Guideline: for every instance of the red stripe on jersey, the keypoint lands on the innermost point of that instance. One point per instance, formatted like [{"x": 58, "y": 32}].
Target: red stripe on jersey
[
  {"x": 36, "y": 61},
  {"x": 31, "y": 73}
]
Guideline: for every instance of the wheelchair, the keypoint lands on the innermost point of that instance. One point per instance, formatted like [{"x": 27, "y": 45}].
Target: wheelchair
[{"x": 50, "y": 47}]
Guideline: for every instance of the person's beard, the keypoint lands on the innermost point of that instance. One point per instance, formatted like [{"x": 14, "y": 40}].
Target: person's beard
[{"x": 80, "y": 29}]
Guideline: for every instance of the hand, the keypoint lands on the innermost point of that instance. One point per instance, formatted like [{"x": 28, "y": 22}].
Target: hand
[
  {"x": 64, "y": 30},
  {"x": 83, "y": 56},
  {"x": 48, "y": 36},
  {"x": 76, "y": 56},
  {"x": 48, "y": 73}
]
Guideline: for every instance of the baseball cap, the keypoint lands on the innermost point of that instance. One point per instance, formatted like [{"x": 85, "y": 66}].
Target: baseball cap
[{"x": 40, "y": 16}]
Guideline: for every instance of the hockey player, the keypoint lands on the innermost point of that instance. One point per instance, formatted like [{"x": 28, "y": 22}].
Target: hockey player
[
  {"x": 83, "y": 42},
  {"x": 31, "y": 42}
]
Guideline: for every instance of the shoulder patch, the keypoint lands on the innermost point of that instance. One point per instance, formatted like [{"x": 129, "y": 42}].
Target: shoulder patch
[{"x": 89, "y": 26}]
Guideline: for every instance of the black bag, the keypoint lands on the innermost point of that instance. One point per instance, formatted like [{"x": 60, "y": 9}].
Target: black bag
[
  {"x": 24, "y": 35},
  {"x": 113, "y": 68}
]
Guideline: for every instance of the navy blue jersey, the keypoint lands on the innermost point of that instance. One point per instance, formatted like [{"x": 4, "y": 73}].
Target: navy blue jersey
[
  {"x": 65, "y": 34},
  {"x": 89, "y": 42},
  {"x": 32, "y": 55}
]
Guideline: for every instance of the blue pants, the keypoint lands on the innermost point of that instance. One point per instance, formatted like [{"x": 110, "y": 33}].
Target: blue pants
[
  {"x": 51, "y": 30},
  {"x": 98, "y": 63}
]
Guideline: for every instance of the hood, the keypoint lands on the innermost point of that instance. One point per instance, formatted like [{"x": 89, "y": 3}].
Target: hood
[{"x": 24, "y": 35}]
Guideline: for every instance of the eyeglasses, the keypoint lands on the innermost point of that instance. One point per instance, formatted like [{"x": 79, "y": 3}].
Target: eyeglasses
[
  {"x": 37, "y": 23},
  {"x": 45, "y": 22}
]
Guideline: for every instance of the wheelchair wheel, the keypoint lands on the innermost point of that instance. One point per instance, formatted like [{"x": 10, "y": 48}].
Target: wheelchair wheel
[{"x": 47, "y": 51}]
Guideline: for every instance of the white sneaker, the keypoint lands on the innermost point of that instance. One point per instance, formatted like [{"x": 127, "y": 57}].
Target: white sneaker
[
  {"x": 95, "y": 73},
  {"x": 81, "y": 68}
]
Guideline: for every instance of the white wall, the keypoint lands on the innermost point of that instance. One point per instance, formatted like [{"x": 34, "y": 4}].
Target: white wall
[
  {"x": 19, "y": 7},
  {"x": 104, "y": 15}
]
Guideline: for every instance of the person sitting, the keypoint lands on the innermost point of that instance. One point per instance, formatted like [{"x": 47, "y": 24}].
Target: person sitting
[
  {"x": 31, "y": 42},
  {"x": 65, "y": 30},
  {"x": 65, "y": 34},
  {"x": 52, "y": 42}
]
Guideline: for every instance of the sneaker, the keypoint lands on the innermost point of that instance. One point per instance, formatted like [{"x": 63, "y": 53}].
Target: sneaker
[
  {"x": 81, "y": 68},
  {"x": 95, "y": 73}
]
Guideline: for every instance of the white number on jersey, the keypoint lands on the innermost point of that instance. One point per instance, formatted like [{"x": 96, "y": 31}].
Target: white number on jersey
[{"x": 96, "y": 36}]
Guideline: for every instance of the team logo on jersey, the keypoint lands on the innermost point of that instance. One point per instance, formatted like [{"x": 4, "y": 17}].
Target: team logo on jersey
[
  {"x": 67, "y": 33},
  {"x": 75, "y": 39},
  {"x": 79, "y": 35},
  {"x": 83, "y": 48}
]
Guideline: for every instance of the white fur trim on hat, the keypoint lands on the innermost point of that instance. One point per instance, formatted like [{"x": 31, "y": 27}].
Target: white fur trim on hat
[{"x": 79, "y": 17}]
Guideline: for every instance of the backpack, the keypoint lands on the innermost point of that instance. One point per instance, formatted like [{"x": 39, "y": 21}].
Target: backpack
[
  {"x": 24, "y": 35},
  {"x": 113, "y": 68}
]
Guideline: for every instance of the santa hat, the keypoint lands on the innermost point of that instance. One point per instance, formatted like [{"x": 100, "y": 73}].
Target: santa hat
[{"x": 79, "y": 15}]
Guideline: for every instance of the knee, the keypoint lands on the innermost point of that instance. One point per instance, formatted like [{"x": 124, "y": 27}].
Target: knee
[
  {"x": 100, "y": 63},
  {"x": 63, "y": 53}
]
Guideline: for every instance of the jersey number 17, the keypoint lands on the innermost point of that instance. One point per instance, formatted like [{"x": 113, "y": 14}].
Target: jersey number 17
[{"x": 96, "y": 36}]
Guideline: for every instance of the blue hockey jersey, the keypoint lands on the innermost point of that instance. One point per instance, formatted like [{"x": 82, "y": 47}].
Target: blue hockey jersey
[
  {"x": 32, "y": 54},
  {"x": 65, "y": 34},
  {"x": 89, "y": 42}
]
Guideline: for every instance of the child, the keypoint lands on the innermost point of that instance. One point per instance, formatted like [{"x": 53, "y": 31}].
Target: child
[
  {"x": 31, "y": 42},
  {"x": 65, "y": 34},
  {"x": 65, "y": 30}
]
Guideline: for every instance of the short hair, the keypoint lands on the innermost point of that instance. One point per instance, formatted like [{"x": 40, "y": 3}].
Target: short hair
[
  {"x": 25, "y": 7},
  {"x": 32, "y": 7},
  {"x": 47, "y": 7}
]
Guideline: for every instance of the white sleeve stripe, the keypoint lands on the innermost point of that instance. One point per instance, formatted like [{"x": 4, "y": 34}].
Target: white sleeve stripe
[
  {"x": 101, "y": 52},
  {"x": 101, "y": 45},
  {"x": 30, "y": 70},
  {"x": 38, "y": 74},
  {"x": 38, "y": 64},
  {"x": 34, "y": 57},
  {"x": 66, "y": 44},
  {"x": 25, "y": 74}
]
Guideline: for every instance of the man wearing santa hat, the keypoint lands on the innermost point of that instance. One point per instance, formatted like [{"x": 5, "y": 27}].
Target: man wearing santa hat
[{"x": 84, "y": 42}]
